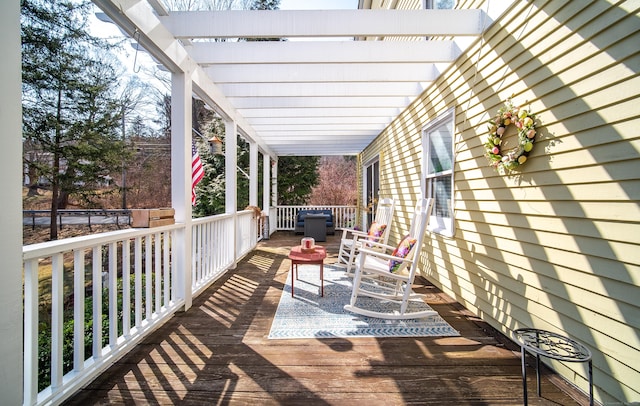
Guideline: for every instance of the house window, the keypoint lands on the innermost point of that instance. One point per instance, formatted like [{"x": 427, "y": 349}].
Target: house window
[
  {"x": 371, "y": 187},
  {"x": 437, "y": 143},
  {"x": 438, "y": 4}
]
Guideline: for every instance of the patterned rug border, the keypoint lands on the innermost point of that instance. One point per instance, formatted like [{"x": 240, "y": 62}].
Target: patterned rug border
[{"x": 308, "y": 315}]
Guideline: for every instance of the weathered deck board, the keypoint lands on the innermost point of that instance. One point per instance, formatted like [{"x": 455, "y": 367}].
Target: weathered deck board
[{"x": 218, "y": 353}]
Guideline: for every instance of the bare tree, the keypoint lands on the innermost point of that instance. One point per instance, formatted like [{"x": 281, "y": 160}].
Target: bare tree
[
  {"x": 193, "y": 5},
  {"x": 336, "y": 182}
]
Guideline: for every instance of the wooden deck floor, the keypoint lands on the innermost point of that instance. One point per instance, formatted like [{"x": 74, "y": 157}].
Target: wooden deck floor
[{"x": 217, "y": 353}]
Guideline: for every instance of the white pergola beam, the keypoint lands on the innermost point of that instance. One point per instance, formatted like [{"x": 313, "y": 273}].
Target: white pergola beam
[
  {"x": 321, "y": 112},
  {"x": 345, "y": 149},
  {"x": 322, "y": 23},
  {"x": 344, "y": 152},
  {"x": 327, "y": 137},
  {"x": 327, "y": 126},
  {"x": 334, "y": 96},
  {"x": 264, "y": 123},
  {"x": 158, "y": 7},
  {"x": 311, "y": 101},
  {"x": 357, "y": 72},
  {"x": 263, "y": 52},
  {"x": 327, "y": 149},
  {"x": 280, "y": 89}
]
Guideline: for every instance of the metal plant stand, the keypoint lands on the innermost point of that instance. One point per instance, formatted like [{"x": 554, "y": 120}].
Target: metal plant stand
[{"x": 551, "y": 345}]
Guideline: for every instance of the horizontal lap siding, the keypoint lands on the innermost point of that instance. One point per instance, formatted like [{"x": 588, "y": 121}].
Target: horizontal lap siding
[{"x": 558, "y": 245}]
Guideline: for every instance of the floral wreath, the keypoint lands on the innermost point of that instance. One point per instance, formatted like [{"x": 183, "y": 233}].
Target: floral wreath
[{"x": 507, "y": 161}]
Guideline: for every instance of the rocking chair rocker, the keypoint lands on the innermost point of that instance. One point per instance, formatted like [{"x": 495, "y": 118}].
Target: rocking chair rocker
[
  {"x": 388, "y": 277},
  {"x": 352, "y": 240}
]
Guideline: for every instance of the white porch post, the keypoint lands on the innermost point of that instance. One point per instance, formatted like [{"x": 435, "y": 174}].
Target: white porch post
[
  {"x": 274, "y": 183},
  {"x": 266, "y": 183},
  {"x": 181, "y": 179},
  {"x": 266, "y": 192},
  {"x": 253, "y": 173},
  {"x": 11, "y": 369},
  {"x": 230, "y": 165},
  {"x": 231, "y": 181}
]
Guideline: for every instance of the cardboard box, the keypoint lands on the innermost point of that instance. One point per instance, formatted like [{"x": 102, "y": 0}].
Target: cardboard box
[{"x": 152, "y": 217}]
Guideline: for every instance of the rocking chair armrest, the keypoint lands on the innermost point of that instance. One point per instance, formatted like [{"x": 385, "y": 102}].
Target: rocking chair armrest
[
  {"x": 354, "y": 233},
  {"x": 359, "y": 233},
  {"x": 377, "y": 246},
  {"x": 382, "y": 255},
  {"x": 373, "y": 239}
]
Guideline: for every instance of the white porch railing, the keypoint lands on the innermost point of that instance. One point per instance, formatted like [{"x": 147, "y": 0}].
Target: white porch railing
[
  {"x": 273, "y": 220},
  {"x": 81, "y": 314},
  {"x": 76, "y": 286},
  {"x": 344, "y": 216},
  {"x": 211, "y": 250},
  {"x": 247, "y": 234}
]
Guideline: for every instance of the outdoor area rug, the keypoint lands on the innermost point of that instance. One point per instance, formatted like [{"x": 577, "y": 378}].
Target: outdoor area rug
[{"x": 308, "y": 315}]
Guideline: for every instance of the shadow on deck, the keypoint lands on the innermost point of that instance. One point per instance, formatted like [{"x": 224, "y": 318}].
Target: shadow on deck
[{"x": 218, "y": 353}]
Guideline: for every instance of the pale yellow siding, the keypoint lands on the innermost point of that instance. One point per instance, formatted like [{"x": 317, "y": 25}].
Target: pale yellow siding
[
  {"x": 558, "y": 245},
  {"x": 359, "y": 174}
]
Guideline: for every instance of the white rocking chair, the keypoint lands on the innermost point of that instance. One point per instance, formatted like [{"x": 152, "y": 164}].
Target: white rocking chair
[
  {"x": 352, "y": 240},
  {"x": 373, "y": 276}
]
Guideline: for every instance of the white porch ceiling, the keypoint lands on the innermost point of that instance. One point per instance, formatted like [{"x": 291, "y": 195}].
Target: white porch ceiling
[{"x": 328, "y": 96}]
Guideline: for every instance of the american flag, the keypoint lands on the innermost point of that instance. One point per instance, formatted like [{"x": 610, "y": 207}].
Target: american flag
[{"x": 197, "y": 172}]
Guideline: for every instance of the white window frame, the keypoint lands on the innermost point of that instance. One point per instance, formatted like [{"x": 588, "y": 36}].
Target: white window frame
[
  {"x": 429, "y": 4},
  {"x": 439, "y": 224},
  {"x": 374, "y": 164}
]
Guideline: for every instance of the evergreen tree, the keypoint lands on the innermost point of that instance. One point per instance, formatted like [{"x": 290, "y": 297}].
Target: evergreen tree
[
  {"x": 297, "y": 175},
  {"x": 70, "y": 111},
  {"x": 265, "y": 5},
  {"x": 211, "y": 189}
]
